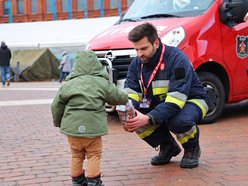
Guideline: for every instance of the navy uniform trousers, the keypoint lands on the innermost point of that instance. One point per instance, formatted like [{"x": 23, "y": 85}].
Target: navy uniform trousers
[{"x": 188, "y": 117}]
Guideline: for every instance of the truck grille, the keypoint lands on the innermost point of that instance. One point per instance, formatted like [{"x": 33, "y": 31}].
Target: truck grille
[{"x": 120, "y": 62}]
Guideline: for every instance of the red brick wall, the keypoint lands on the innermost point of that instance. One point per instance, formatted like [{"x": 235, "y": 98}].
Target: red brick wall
[{"x": 41, "y": 15}]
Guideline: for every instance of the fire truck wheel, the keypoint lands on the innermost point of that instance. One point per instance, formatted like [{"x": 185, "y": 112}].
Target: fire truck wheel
[{"x": 217, "y": 97}]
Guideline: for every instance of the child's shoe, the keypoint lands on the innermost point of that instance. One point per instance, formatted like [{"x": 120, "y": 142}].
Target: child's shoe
[
  {"x": 79, "y": 181},
  {"x": 95, "y": 181}
]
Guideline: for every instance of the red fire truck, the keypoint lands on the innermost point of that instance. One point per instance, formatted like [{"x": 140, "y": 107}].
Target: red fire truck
[{"x": 212, "y": 33}]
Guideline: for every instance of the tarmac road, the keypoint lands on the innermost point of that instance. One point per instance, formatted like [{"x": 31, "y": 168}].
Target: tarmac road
[{"x": 33, "y": 152}]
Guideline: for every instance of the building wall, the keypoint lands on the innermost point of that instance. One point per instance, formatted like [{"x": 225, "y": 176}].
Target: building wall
[{"x": 92, "y": 8}]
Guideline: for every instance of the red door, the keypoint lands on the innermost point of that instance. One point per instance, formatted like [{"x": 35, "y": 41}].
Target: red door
[{"x": 235, "y": 45}]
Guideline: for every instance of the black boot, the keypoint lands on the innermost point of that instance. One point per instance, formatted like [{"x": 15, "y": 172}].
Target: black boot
[
  {"x": 166, "y": 152},
  {"x": 191, "y": 157},
  {"x": 95, "y": 181},
  {"x": 80, "y": 180}
]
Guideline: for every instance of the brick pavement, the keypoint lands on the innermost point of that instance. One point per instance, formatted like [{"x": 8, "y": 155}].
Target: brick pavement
[{"x": 33, "y": 152}]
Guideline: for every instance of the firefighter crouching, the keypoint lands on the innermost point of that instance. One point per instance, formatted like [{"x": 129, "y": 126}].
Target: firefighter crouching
[{"x": 168, "y": 96}]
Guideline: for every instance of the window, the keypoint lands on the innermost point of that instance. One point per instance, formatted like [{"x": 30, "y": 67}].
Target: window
[
  {"x": 20, "y": 8},
  {"x": 5, "y": 8},
  {"x": 96, "y": 4},
  {"x": 65, "y": 5},
  {"x": 114, "y": 4},
  {"x": 49, "y": 6},
  {"x": 34, "y": 6},
  {"x": 80, "y": 5}
]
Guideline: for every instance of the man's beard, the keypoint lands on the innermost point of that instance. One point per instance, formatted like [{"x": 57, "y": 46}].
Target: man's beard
[{"x": 147, "y": 59}]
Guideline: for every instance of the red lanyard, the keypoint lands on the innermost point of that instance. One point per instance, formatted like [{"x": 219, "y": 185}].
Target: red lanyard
[{"x": 153, "y": 73}]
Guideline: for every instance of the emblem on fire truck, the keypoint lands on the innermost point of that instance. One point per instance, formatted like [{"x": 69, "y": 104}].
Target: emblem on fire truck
[
  {"x": 242, "y": 46},
  {"x": 109, "y": 55}
]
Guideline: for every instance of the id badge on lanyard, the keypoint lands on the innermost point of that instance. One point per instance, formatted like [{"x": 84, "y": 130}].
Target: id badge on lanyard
[{"x": 146, "y": 102}]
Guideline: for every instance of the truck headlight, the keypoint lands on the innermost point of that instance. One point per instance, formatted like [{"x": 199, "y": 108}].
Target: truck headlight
[{"x": 174, "y": 37}]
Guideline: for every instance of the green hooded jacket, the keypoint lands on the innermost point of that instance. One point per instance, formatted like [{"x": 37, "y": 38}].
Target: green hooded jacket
[{"x": 79, "y": 106}]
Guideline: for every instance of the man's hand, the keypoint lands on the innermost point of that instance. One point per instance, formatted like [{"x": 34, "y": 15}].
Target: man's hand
[{"x": 140, "y": 120}]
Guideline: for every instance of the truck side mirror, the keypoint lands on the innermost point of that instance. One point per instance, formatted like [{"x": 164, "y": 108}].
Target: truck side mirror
[{"x": 233, "y": 12}]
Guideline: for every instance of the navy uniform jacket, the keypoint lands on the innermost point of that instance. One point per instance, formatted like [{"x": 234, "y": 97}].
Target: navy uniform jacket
[{"x": 175, "y": 83}]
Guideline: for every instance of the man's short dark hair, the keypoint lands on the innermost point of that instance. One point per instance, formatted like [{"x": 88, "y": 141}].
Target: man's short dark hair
[{"x": 143, "y": 30}]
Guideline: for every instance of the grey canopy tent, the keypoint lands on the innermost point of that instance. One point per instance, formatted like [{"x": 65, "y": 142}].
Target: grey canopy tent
[{"x": 35, "y": 65}]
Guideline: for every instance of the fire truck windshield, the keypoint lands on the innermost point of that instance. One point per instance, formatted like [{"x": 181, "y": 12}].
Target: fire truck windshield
[{"x": 148, "y": 9}]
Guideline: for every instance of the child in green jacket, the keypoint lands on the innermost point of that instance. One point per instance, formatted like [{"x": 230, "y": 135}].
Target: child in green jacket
[{"x": 79, "y": 110}]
